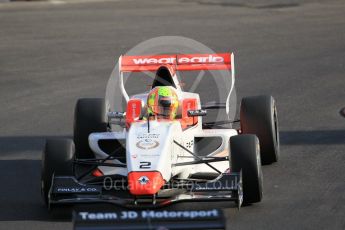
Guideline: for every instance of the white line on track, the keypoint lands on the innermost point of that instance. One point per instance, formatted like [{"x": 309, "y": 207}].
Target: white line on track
[
  {"x": 57, "y": 2},
  {"x": 8, "y": 4}
]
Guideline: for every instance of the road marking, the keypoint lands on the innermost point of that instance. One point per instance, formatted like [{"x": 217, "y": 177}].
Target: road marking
[{"x": 57, "y": 2}]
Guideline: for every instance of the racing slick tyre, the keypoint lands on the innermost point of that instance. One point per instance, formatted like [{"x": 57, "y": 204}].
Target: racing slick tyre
[
  {"x": 245, "y": 156},
  {"x": 89, "y": 117},
  {"x": 258, "y": 116},
  {"x": 57, "y": 159}
]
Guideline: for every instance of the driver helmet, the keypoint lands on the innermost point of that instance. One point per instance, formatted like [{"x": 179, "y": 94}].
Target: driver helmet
[{"x": 163, "y": 102}]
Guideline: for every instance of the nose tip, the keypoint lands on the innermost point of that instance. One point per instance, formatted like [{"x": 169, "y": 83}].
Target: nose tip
[{"x": 145, "y": 183}]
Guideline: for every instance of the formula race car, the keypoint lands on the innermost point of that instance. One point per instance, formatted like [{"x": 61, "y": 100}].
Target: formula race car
[{"x": 156, "y": 151}]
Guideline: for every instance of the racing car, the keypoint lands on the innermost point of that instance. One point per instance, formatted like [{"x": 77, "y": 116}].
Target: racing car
[{"x": 151, "y": 153}]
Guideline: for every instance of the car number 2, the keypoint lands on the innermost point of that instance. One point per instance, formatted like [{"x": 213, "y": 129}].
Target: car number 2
[{"x": 145, "y": 164}]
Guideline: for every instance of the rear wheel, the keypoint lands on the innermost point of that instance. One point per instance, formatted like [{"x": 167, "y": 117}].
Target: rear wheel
[
  {"x": 89, "y": 117},
  {"x": 57, "y": 159},
  {"x": 245, "y": 156},
  {"x": 259, "y": 116}
]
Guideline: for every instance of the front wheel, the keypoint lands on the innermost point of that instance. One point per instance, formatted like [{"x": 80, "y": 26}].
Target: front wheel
[
  {"x": 89, "y": 117},
  {"x": 245, "y": 157},
  {"x": 57, "y": 159}
]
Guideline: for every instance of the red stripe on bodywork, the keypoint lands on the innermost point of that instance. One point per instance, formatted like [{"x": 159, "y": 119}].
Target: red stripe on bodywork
[{"x": 133, "y": 111}]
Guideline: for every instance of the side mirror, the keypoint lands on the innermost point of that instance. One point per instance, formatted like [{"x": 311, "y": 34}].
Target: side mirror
[
  {"x": 116, "y": 115},
  {"x": 197, "y": 113},
  {"x": 116, "y": 118}
]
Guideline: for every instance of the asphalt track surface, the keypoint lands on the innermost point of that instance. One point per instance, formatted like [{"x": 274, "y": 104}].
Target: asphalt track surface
[{"x": 53, "y": 53}]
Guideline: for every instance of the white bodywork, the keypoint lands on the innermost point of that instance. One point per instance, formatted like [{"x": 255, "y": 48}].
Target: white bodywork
[{"x": 154, "y": 149}]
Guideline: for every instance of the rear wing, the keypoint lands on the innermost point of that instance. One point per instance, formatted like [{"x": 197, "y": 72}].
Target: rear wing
[{"x": 179, "y": 62}]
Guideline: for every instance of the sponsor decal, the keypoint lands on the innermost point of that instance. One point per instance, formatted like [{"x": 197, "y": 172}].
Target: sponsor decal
[
  {"x": 179, "y": 214},
  {"x": 75, "y": 190},
  {"x": 143, "y": 180},
  {"x": 147, "y": 141},
  {"x": 147, "y": 144},
  {"x": 180, "y": 60},
  {"x": 148, "y": 136},
  {"x": 149, "y": 214}
]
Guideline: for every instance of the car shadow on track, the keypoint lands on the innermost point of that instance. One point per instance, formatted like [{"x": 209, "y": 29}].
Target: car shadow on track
[
  {"x": 312, "y": 137},
  {"x": 20, "y": 191},
  {"x": 20, "y": 168}
]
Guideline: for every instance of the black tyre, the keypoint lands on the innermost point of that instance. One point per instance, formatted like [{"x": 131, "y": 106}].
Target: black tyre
[
  {"x": 259, "y": 116},
  {"x": 89, "y": 117},
  {"x": 57, "y": 159},
  {"x": 245, "y": 156}
]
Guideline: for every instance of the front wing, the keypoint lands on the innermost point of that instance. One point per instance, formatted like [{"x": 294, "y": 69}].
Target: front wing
[{"x": 67, "y": 190}]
